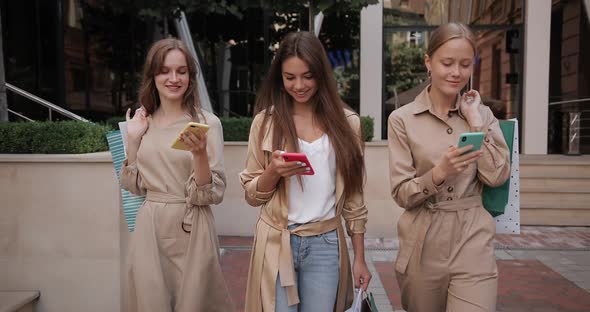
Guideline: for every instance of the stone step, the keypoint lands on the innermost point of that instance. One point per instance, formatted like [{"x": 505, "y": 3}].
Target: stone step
[
  {"x": 18, "y": 301},
  {"x": 554, "y": 185},
  {"x": 550, "y": 200}
]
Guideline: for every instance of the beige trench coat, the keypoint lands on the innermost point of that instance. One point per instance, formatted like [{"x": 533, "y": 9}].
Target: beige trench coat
[
  {"x": 271, "y": 253},
  {"x": 169, "y": 269}
]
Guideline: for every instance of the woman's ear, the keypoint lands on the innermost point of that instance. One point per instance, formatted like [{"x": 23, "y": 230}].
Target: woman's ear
[{"x": 427, "y": 62}]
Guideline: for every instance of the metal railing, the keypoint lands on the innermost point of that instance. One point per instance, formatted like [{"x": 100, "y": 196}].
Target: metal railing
[
  {"x": 569, "y": 101},
  {"x": 572, "y": 123},
  {"x": 20, "y": 115},
  {"x": 50, "y": 106}
]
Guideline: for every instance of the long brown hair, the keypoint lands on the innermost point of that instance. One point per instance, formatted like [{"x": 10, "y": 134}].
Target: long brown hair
[
  {"x": 328, "y": 108},
  {"x": 148, "y": 96},
  {"x": 446, "y": 32}
]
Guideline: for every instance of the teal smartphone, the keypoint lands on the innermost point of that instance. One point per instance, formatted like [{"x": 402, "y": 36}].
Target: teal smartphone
[{"x": 471, "y": 138}]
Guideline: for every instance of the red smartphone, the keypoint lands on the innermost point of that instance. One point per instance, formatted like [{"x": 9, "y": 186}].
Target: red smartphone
[{"x": 299, "y": 157}]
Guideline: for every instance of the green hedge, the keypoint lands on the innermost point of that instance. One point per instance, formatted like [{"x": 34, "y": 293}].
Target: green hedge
[
  {"x": 113, "y": 122},
  {"x": 59, "y": 137},
  {"x": 367, "y": 128},
  {"x": 76, "y": 137},
  {"x": 236, "y": 128}
]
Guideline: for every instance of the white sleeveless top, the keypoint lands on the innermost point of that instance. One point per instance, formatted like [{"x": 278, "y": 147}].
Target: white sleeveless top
[{"x": 317, "y": 200}]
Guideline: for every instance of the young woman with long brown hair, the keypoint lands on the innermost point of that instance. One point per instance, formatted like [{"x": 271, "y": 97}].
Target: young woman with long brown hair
[
  {"x": 173, "y": 263},
  {"x": 446, "y": 258},
  {"x": 300, "y": 259}
]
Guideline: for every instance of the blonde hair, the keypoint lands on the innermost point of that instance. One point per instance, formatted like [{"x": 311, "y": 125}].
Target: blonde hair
[{"x": 447, "y": 32}]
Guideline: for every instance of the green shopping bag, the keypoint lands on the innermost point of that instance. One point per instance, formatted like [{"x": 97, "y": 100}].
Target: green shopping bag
[
  {"x": 369, "y": 304},
  {"x": 496, "y": 198}
]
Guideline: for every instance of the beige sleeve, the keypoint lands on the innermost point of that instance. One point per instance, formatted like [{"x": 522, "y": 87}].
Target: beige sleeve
[
  {"x": 407, "y": 189},
  {"x": 131, "y": 178},
  {"x": 493, "y": 168},
  {"x": 256, "y": 162},
  {"x": 212, "y": 193},
  {"x": 355, "y": 211}
]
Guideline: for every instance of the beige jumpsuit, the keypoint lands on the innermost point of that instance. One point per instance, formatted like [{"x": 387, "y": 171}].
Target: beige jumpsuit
[
  {"x": 169, "y": 269},
  {"x": 446, "y": 258}
]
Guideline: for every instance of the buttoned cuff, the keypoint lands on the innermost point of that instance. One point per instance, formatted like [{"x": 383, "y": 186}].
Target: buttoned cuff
[
  {"x": 356, "y": 227},
  {"x": 215, "y": 180},
  {"x": 489, "y": 138},
  {"x": 476, "y": 129},
  {"x": 426, "y": 184},
  {"x": 255, "y": 194},
  {"x": 130, "y": 166}
]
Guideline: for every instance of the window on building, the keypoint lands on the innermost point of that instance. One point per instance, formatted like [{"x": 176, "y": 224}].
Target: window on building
[{"x": 496, "y": 73}]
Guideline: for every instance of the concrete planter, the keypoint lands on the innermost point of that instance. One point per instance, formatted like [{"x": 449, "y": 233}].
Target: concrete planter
[{"x": 62, "y": 231}]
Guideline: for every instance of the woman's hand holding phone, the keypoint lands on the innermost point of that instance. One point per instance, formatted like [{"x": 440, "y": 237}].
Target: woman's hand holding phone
[
  {"x": 196, "y": 142},
  {"x": 286, "y": 169},
  {"x": 454, "y": 161}
]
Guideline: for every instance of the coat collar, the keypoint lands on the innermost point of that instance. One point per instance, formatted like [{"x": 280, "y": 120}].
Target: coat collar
[{"x": 423, "y": 103}]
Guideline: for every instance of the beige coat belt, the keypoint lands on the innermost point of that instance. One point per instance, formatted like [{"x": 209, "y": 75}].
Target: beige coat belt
[
  {"x": 286, "y": 267},
  {"x": 166, "y": 198},
  {"x": 418, "y": 234}
]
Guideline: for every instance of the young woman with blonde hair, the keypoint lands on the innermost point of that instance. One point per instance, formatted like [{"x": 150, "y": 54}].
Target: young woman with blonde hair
[
  {"x": 446, "y": 258},
  {"x": 173, "y": 263},
  {"x": 300, "y": 259}
]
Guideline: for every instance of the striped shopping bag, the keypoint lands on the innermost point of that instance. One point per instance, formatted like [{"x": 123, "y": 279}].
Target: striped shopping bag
[{"x": 130, "y": 202}]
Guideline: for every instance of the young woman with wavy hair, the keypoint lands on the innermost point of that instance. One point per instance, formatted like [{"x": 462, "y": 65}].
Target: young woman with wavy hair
[{"x": 173, "y": 263}]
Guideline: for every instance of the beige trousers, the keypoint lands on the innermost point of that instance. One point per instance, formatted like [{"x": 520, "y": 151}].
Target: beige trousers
[{"x": 446, "y": 260}]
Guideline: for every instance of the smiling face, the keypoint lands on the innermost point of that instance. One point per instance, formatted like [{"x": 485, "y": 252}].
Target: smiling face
[
  {"x": 451, "y": 65},
  {"x": 173, "y": 77},
  {"x": 298, "y": 80}
]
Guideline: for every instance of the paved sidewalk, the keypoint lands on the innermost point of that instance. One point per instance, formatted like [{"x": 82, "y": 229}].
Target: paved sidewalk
[{"x": 543, "y": 269}]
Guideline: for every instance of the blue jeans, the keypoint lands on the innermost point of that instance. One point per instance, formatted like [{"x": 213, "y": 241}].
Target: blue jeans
[{"x": 316, "y": 272}]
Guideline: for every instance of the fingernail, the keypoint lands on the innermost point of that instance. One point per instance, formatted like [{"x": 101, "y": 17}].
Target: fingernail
[
  {"x": 299, "y": 163},
  {"x": 303, "y": 164},
  {"x": 307, "y": 169}
]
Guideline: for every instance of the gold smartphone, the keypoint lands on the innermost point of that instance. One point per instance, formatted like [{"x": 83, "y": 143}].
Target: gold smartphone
[{"x": 192, "y": 127}]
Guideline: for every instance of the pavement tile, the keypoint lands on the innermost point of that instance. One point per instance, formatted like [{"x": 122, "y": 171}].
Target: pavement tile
[
  {"x": 524, "y": 285},
  {"x": 234, "y": 265},
  {"x": 387, "y": 275},
  {"x": 236, "y": 241},
  {"x": 532, "y": 286},
  {"x": 545, "y": 269},
  {"x": 501, "y": 254}
]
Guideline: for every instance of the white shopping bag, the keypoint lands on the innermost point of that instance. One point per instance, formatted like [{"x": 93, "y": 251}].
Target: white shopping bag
[
  {"x": 509, "y": 222},
  {"x": 357, "y": 303}
]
